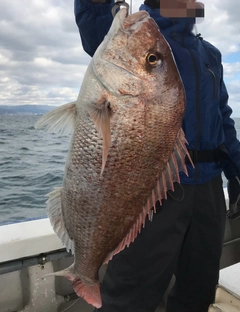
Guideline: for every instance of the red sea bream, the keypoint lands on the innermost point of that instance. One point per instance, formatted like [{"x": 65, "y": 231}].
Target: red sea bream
[{"x": 126, "y": 151}]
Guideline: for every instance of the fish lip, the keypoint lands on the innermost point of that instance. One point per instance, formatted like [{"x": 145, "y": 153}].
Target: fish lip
[{"x": 129, "y": 22}]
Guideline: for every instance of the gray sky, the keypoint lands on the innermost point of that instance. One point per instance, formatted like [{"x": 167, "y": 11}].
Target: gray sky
[{"x": 42, "y": 60}]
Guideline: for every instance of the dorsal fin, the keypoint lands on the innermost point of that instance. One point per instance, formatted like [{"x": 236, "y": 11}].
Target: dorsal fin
[
  {"x": 169, "y": 175},
  {"x": 61, "y": 119}
]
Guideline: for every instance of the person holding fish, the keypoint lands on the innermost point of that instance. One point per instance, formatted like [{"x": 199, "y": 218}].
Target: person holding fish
[
  {"x": 142, "y": 188},
  {"x": 185, "y": 236}
]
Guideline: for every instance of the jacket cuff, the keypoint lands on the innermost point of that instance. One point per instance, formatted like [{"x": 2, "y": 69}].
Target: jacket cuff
[{"x": 98, "y": 8}]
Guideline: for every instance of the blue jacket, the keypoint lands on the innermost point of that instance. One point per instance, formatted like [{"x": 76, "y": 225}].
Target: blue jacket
[{"x": 207, "y": 123}]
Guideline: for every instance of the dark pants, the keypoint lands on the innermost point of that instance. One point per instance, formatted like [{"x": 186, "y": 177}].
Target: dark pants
[{"x": 185, "y": 238}]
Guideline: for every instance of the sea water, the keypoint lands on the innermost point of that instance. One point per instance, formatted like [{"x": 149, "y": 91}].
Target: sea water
[{"x": 31, "y": 165}]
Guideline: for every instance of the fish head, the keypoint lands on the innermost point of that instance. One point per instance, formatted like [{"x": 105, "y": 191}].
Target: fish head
[
  {"x": 135, "y": 59},
  {"x": 133, "y": 80}
]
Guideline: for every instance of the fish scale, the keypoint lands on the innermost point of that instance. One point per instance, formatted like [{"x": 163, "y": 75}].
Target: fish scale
[{"x": 126, "y": 151}]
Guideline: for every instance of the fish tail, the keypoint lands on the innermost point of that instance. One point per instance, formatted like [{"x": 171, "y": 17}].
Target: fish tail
[
  {"x": 91, "y": 294},
  {"x": 68, "y": 273}
]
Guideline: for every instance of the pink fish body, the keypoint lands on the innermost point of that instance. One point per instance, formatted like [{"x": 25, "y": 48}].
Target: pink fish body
[{"x": 126, "y": 151}]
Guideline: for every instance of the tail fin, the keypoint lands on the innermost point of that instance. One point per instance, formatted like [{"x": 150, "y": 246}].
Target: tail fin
[{"x": 90, "y": 293}]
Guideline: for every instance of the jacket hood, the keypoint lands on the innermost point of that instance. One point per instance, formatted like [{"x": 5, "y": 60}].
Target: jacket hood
[{"x": 178, "y": 29}]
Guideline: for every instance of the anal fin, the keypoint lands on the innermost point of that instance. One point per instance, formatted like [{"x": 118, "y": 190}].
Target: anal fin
[{"x": 56, "y": 218}]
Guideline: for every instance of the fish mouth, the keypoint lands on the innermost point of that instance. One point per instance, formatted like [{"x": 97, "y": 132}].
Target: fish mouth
[
  {"x": 133, "y": 21},
  {"x": 123, "y": 25}
]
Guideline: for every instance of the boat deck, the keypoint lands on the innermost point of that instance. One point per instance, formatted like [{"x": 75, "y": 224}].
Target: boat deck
[
  {"x": 78, "y": 306},
  {"x": 30, "y": 250}
]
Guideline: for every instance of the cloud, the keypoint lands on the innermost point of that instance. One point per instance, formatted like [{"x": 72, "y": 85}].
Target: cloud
[
  {"x": 231, "y": 70},
  {"x": 221, "y": 26},
  {"x": 234, "y": 96},
  {"x": 42, "y": 60},
  {"x": 40, "y": 52}
]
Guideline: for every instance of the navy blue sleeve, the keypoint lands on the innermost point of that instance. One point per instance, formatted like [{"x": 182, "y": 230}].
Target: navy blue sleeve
[
  {"x": 93, "y": 21},
  {"x": 231, "y": 142}
]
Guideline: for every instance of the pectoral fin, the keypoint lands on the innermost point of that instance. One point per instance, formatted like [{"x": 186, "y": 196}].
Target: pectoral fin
[{"x": 101, "y": 115}]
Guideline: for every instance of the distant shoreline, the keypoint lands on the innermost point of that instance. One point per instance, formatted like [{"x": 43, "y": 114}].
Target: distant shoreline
[
  {"x": 25, "y": 109},
  {"x": 33, "y": 110}
]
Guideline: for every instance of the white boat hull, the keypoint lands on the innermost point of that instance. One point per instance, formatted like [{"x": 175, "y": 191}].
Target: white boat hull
[{"x": 29, "y": 250}]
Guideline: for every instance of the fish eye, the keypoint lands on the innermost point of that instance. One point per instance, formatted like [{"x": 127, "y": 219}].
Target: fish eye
[{"x": 153, "y": 59}]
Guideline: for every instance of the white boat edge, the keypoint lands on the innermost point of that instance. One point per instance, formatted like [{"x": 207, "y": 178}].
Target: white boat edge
[
  {"x": 36, "y": 240},
  {"x": 29, "y": 238}
]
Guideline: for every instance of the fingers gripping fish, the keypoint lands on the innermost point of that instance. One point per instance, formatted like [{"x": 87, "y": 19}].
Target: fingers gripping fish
[{"x": 126, "y": 151}]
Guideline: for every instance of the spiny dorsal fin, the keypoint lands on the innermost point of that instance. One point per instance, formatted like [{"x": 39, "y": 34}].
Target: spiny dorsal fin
[
  {"x": 169, "y": 175},
  {"x": 101, "y": 117},
  {"x": 61, "y": 119}
]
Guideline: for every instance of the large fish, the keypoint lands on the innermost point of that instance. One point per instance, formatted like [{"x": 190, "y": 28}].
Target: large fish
[{"x": 126, "y": 151}]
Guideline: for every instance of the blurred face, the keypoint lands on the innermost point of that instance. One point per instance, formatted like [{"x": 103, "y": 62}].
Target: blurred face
[{"x": 181, "y": 8}]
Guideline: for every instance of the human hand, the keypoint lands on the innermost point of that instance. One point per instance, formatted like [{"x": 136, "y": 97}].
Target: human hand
[{"x": 233, "y": 188}]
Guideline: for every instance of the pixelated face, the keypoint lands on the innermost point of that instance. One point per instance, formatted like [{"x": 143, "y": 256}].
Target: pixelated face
[{"x": 181, "y": 8}]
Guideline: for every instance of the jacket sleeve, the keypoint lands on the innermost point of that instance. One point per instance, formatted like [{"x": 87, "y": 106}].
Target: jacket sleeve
[
  {"x": 93, "y": 21},
  {"x": 231, "y": 142}
]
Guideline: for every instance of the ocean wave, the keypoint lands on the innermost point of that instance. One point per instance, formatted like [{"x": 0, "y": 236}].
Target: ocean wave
[{"x": 31, "y": 164}]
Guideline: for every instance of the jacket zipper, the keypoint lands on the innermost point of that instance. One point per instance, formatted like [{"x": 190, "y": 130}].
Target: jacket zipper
[
  {"x": 214, "y": 81},
  {"x": 198, "y": 112}
]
